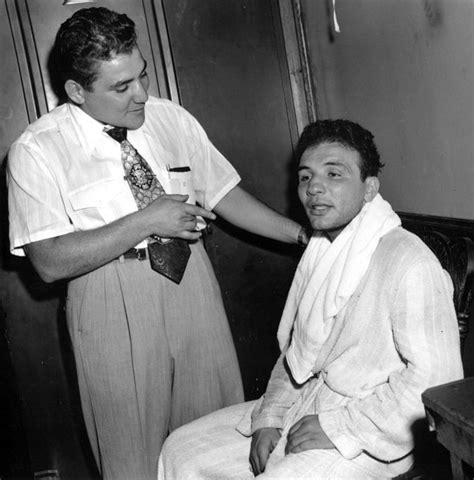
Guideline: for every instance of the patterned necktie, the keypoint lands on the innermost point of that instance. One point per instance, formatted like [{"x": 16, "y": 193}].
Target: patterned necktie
[{"x": 168, "y": 258}]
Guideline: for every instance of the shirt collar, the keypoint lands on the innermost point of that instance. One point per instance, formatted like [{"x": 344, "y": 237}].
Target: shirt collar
[{"x": 91, "y": 131}]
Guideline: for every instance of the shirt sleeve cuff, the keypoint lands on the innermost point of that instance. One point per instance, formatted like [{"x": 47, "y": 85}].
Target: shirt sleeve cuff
[
  {"x": 331, "y": 423},
  {"x": 233, "y": 182},
  {"x": 265, "y": 422},
  {"x": 253, "y": 420}
]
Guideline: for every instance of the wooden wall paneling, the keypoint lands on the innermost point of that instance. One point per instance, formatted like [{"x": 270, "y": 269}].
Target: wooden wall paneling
[
  {"x": 27, "y": 45},
  {"x": 295, "y": 110},
  {"x": 161, "y": 39},
  {"x": 40, "y": 20},
  {"x": 298, "y": 66},
  {"x": 17, "y": 104}
]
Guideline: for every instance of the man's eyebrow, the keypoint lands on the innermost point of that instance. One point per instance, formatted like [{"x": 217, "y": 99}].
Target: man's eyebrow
[
  {"x": 125, "y": 82},
  {"x": 329, "y": 163},
  {"x": 337, "y": 163}
]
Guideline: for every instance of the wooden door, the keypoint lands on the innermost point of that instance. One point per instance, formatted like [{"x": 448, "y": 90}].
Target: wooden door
[{"x": 230, "y": 60}]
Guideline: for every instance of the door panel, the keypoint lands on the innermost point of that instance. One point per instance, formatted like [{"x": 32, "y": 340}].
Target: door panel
[
  {"x": 231, "y": 74},
  {"x": 13, "y": 112}
]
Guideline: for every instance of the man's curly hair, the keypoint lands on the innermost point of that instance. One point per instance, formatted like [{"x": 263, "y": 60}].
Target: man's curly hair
[
  {"x": 91, "y": 35},
  {"x": 346, "y": 133}
]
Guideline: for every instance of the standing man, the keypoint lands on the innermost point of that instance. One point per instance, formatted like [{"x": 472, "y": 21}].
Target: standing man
[
  {"x": 368, "y": 325},
  {"x": 101, "y": 193}
]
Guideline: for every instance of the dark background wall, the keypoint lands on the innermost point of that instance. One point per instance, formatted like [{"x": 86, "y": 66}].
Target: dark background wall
[{"x": 231, "y": 75}]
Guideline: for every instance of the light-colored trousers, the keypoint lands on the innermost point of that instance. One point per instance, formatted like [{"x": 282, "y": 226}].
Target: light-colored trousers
[
  {"x": 150, "y": 356},
  {"x": 211, "y": 448}
]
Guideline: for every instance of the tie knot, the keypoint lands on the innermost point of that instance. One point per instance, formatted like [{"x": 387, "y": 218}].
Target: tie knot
[{"x": 118, "y": 133}]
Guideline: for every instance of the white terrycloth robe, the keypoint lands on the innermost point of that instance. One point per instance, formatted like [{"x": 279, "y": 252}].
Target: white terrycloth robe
[
  {"x": 326, "y": 277},
  {"x": 397, "y": 336}
]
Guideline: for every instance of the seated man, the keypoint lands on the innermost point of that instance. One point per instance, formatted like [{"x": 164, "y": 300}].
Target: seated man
[{"x": 368, "y": 325}]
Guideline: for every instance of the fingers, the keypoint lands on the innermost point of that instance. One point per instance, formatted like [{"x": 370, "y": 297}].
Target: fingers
[
  {"x": 199, "y": 211},
  {"x": 254, "y": 465},
  {"x": 307, "y": 434},
  {"x": 304, "y": 424},
  {"x": 176, "y": 197},
  {"x": 298, "y": 443},
  {"x": 187, "y": 208},
  {"x": 257, "y": 456},
  {"x": 294, "y": 429},
  {"x": 264, "y": 441},
  {"x": 301, "y": 445},
  {"x": 258, "y": 460},
  {"x": 186, "y": 235},
  {"x": 170, "y": 216}
]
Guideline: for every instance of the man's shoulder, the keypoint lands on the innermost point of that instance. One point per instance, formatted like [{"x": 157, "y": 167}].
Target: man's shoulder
[
  {"x": 166, "y": 115},
  {"x": 399, "y": 253},
  {"x": 164, "y": 105},
  {"x": 401, "y": 246},
  {"x": 47, "y": 124}
]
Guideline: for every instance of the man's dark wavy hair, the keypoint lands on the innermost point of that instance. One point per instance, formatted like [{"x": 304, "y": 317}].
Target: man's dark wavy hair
[
  {"x": 88, "y": 36},
  {"x": 348, "y": 134}
]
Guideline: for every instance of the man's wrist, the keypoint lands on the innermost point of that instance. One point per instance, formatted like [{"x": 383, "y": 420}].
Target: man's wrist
[{"x": 303, "y": 237}]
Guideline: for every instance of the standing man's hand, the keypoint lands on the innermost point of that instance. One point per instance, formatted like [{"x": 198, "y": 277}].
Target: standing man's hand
[
  {"x": 307, "y": 434},
  {"x": 170, "y": 216},
  {"x": 264, "y": 441}
]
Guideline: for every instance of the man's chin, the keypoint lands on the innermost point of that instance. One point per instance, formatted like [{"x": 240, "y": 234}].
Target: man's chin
[
  {"x": 331, "y": 230},
  {"x": 320, "y": 226},
  {"x": 136, "y": 121}
]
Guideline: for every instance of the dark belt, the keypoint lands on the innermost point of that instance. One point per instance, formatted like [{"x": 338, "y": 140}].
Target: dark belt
[{"x": 134, "y": 254}]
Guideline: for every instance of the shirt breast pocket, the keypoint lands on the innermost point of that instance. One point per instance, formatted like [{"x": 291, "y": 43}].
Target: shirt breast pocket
[{"x": 97, "y": 204}]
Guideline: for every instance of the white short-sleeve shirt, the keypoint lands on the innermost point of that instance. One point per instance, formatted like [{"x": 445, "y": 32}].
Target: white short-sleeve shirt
[{"x": 65, "y": 173}]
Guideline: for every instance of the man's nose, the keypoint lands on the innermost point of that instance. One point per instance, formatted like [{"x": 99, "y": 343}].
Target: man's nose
[
  {"x": 315, "y": 187},
  {"x": 140, "y": 94}
]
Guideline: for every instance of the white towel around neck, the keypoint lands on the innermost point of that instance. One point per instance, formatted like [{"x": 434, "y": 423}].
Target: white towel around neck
[{"x": 325, "y": 279}]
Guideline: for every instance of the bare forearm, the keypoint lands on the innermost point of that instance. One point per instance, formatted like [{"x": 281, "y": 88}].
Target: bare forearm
[
  {"x": 245, "y": 211},
  {"x": 77, "y": 253}
]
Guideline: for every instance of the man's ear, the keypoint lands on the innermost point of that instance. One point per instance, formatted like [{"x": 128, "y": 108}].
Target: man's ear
[
  {"x": 75, "y": 91},
  {"x": 372, "y": 185}
]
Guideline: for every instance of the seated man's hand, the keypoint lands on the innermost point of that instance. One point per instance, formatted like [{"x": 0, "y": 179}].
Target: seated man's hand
[
  {"x": 307, "y": 434},
  {"x": 264, "y": 441}
]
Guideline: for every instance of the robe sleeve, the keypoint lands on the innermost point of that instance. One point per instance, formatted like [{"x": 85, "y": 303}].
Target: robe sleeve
[{"x": 280, "y": 394}]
